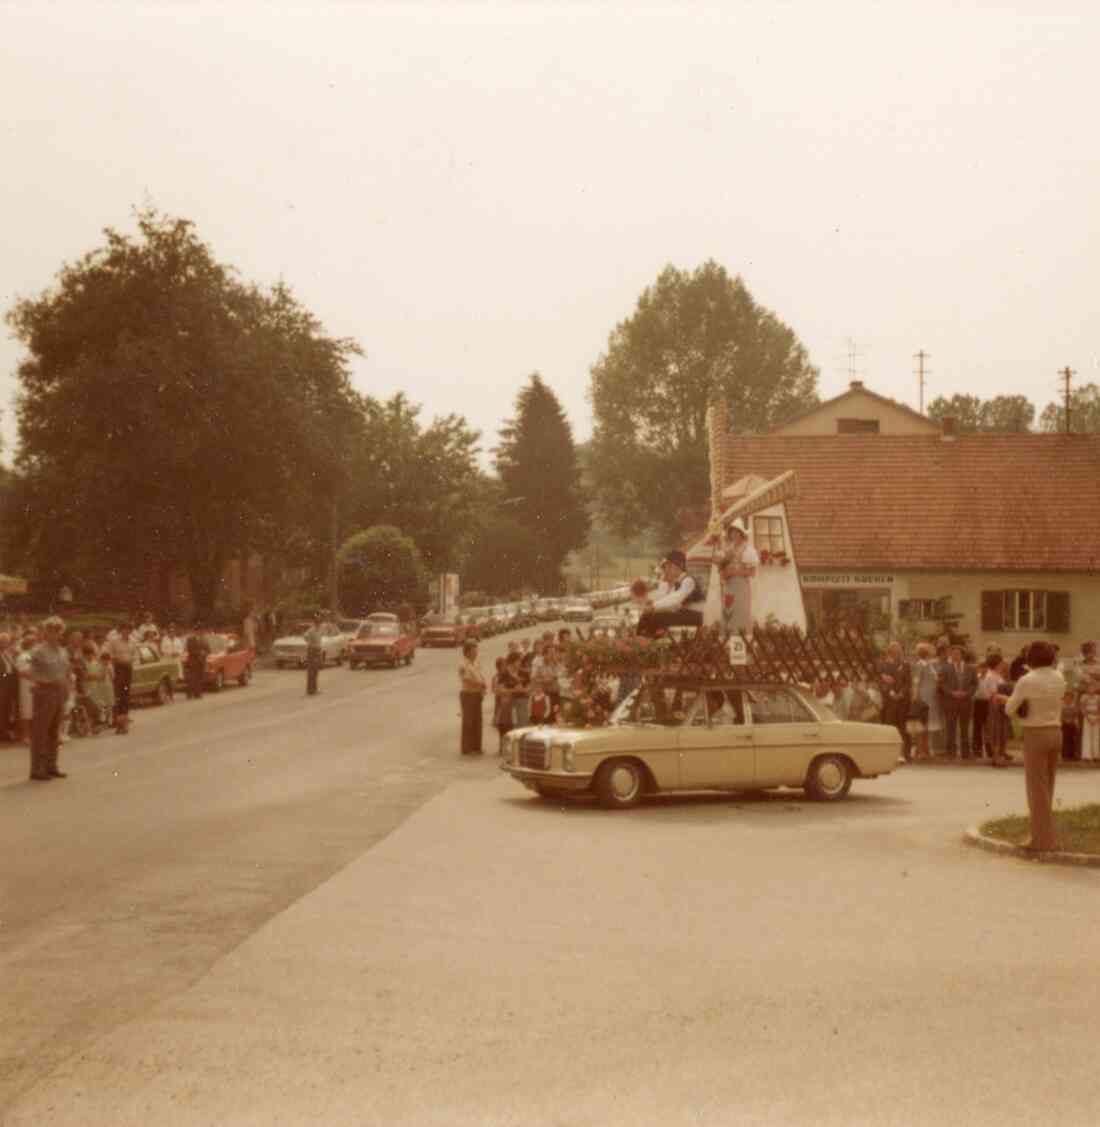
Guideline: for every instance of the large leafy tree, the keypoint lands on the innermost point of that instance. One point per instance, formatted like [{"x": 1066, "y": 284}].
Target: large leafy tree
[
  {"x": 1003, "y": 414},
  {"x": 1084, "y": 412},
  {"x": 503, "y": 557},
  {"x": 422, "y": 479},
  {"x": 171, "y": 415},
  {"x": 380, "y": 569},
  {"x": 693, "y": 335},
  {"x": 541, "y": 481}
]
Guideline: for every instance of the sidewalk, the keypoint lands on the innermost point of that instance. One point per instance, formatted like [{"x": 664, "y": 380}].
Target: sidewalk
[{"x": 500, "y": 960}]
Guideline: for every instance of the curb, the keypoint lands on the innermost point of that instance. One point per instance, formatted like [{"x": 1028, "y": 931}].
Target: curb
[{"x": 975, "y": 837}]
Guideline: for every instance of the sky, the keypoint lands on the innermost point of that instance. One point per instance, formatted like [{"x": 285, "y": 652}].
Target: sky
[{"x": 478, "y": 191}]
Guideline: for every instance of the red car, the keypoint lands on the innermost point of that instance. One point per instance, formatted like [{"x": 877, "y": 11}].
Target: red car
[
  {"x": 444, "y": 630},
  {"x": 229, "y": 660},
  {"x": 383, "y": 643}
]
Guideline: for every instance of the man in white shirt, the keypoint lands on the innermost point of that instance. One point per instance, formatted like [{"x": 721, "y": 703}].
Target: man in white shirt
[{"x": 678, "y": 603}]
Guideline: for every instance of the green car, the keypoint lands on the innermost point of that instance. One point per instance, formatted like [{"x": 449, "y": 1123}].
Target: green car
[{"x": 153, "y": 675}]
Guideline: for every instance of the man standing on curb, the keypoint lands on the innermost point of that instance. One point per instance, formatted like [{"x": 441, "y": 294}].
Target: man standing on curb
[
  {"x": 315, "y": 656},
  {"x": 50, "y": 673}
]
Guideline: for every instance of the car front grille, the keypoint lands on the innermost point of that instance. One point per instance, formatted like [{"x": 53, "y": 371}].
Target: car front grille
[{"x": 534, "y": 754}]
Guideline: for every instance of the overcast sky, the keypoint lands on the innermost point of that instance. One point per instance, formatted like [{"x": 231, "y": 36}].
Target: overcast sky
[{"x": 477, "y": 191}]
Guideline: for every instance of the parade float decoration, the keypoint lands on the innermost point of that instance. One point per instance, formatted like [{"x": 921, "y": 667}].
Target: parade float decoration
[{"x": 777, "y": 649}]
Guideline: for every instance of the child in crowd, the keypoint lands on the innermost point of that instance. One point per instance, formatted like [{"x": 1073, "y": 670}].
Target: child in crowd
[
  {"x": 1069, "y": 727},
  {"x": 1089, "y": 705}
]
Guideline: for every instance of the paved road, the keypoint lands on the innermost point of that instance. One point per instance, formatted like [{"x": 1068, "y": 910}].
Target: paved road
[
  {"x": 164, "y": 849},
  {"x": 499, "y": 960}
]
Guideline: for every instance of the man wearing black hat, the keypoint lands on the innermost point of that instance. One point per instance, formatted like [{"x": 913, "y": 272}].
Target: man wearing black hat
[{"x": 679, "y": 604}]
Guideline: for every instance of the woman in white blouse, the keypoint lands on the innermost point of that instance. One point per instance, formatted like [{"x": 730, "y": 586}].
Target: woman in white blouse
[{"x": 1041, "y": 691}]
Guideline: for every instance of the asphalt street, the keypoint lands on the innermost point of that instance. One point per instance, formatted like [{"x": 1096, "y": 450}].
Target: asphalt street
[{"x": 264, "y": 909}]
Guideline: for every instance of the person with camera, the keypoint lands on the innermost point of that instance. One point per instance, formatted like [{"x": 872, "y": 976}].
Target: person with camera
[{"x": 1037, "y": 702}]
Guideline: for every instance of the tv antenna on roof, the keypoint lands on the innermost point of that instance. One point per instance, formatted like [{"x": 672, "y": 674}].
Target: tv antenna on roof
[{"x": 921, "y": 372}]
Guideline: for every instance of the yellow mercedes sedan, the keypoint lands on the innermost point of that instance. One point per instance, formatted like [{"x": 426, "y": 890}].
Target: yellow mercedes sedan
[{"x": 704, "y": 736}]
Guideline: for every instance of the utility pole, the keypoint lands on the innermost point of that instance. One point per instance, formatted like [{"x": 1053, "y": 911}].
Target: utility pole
[
  {"x": 1067, "y": 374},
  {"x": 920, "y": 358}
]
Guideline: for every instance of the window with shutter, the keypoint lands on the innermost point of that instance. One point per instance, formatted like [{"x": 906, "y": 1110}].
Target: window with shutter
[
  {"x": 1058, "y": 612},
  {"x": 993, "y": 610}
]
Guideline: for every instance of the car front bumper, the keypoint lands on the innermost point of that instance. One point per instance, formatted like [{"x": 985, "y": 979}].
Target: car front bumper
[{"x": 565, "y": 781}]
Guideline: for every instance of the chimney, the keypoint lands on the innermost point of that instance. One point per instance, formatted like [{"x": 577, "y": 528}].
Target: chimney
[
  {"x": 855, "y": 385},
  {"x": 947, "y": 429}
]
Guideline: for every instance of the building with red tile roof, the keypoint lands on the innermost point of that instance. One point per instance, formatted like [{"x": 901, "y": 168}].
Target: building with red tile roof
[{"x": 993, "y": 535}]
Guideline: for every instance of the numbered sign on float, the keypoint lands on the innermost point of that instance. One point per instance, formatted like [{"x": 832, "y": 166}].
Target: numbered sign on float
[{"x": 739, "y": 652}]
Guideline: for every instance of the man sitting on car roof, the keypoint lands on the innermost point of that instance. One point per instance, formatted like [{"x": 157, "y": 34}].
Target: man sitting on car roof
[{"x": 680, "y": 603}]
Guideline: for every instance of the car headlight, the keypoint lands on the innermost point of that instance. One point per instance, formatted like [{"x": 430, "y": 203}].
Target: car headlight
[{"x": 568, "y": 761}]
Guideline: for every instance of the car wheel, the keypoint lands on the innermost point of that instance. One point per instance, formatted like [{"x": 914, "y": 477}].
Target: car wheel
[
  {"x": 620, "y": 783},
  {"x": 280, "y": 664},
  {"x": 353, "y": 665},
  {"x": 409, "y": 659},
  {"x": 219, "y": 681},
  {"x": 245, "y": 677},
  {"x": 393, "y": 661},
  {"x": 829, "y": 778},
  {"x": 164, "y": 692}
]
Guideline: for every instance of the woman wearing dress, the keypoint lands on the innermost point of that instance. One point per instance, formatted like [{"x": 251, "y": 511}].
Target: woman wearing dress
[
  {"x": 926, "y": 713},
  {"x": 26, "y": 684},
  {"x": 738, "y": 567}
]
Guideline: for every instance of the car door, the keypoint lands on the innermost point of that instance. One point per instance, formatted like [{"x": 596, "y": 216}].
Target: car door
[
  {"x": 785, "y": 733},
  {"x": 716, "y": 743},
  {"x": 145, "y": 675}
]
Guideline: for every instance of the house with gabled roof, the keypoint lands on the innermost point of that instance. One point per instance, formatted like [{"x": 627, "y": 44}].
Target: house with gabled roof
[{"x": 994, "y": 534}]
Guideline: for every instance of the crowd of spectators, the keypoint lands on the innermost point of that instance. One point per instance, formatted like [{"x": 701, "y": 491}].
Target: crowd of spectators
[{"x": 947, "y": 703}]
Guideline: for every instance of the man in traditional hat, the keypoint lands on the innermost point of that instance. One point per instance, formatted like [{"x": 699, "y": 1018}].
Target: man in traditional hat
[
  {"x": 679, "y": 602},
  {"x": 50, "y": 674}
]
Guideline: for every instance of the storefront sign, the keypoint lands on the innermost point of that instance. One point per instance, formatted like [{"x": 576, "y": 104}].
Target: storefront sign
[{"x": 847, "y": 579}]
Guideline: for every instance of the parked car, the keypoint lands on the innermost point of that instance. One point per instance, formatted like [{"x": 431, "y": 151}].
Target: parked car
[
  {"x": 349, "y": 627},
  {"x": 291, "y": 649},
  {"x": 577, "y": 610},
  {"x": 383, "y": 643},
  {"x": 608, "y": 625},
  {"x": 229, "y": 660},
  {"x": 153, "y": 675},
  {"x": 443, "y": 630},
  {"x": 704, "y": 736}
]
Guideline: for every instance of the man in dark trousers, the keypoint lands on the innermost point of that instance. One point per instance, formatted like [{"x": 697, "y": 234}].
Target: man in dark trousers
[
  {"x": 679, "y": 600},
  {"x": 194, "y": 663},
  {"x": 9, "y": 690},
  {"x": 315, "y": 656},
  {"x": 896, "y": 679},
  {"x": 958, "y": 683},
  {"x": 50, "y": 670}
]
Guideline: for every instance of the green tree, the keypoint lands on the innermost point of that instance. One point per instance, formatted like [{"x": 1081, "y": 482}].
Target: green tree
[
  {"x": 1084, "y": 412},
  {"x": 1003, "y": 414},
  {"x": 171, "y": 415},
  {"x": 540, "y": 477},
  {"x": 1008, "y": 414},
  {"x": 379, "y": 569},
  {"x": 422, "y": 479},
  {"x": 503, "y": 557},
  {"x": 966, "y": 410},
  {"x": 692, "y": 336}
]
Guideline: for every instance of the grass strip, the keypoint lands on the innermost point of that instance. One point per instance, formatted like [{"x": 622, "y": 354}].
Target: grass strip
[{"x": 1078, "y": 829}]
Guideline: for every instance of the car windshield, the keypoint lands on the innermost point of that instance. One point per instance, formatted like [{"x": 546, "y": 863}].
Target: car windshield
[
  {"x": 656, "y": 705},
  {"x": 217, "y": 644},
  {"x": 441, "y": 619},
  {"x": 378, "y": 629}
]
